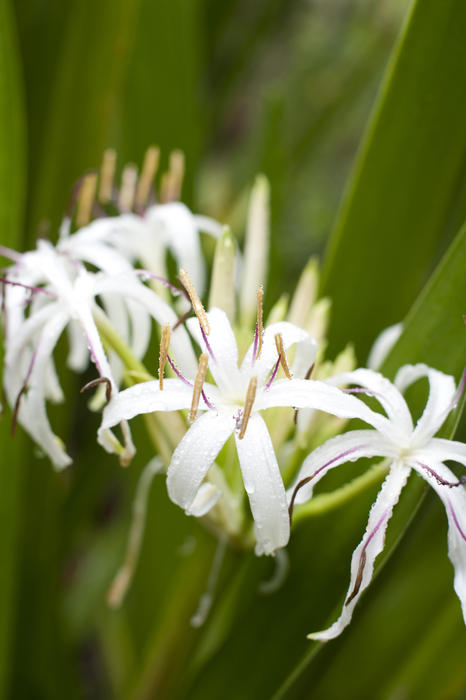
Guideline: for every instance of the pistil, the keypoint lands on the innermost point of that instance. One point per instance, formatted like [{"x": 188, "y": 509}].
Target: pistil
[
  {"x": 164, "y": 343},
  {"x": 248, "y": 404}
]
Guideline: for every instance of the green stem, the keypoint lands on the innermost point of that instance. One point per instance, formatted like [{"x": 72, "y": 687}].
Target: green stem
[{"x": 325, "y": 502}]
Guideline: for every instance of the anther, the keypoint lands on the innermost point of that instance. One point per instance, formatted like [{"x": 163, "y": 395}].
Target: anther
[
  {"x": 107, "y": 173},
  {"x": 164, "y": 343},
  {"x": 196, "y": 302},
  {"x": 198, "y": 384},
  {"x": 86, "y": 199},
  {"x": 170, "y": 189},
  {"x": 282, "y": 355},
  {"x": 149, "y": 168},
  {"x": 248, "y": 404},
  {"x": 258, "y": 337},
  {"x": 129, "y": 178}
]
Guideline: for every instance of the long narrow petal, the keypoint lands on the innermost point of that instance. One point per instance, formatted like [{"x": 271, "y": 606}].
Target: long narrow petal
[
  {"x": 439, "y": 404},
  {"x": 32, "y": 412},
  {"x": 221, "y": 348},
  {"x": 384, "y": 391},
  {"x": 264, "y": 486},
  {"x": 441, "y": 450},
  {"x": 454, "y": 500},
  {"x": 338, "y": 450},
  {"x": 382, "y": 345},
  {"x": 177, "y": 226},
  {"x": 194, "y": 456},
  {"x": 305, "y": 393},
  {"x": 146, "y": 397},
  {"x": 365, "y": 554},
  {"x": 158, "y": 309}
]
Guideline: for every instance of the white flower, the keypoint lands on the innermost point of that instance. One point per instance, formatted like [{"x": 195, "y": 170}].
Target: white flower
[
  {"x": 233, "y": 406},
  {"x": 407, "y": 447},
  {"x": 146, "y": 238},
  {"x": 64, "y": 295}
]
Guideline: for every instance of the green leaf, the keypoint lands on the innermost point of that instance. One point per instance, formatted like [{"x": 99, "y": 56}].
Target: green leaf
[
  {"x": 11, "y": 199},
  {"x": 406, "y": 180},
  {"x": 92, "y": 62}
]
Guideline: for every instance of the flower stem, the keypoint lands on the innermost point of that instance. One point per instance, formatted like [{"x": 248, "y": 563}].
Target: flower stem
[{"x": 325, "y": 502}]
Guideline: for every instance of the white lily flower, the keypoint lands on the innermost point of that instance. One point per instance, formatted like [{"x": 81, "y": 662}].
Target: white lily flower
[
  {"x": 407, "y": 447},
  {"x": 232, "y": 407},
  {"x": 144, "y": 238},
  {"x": 65, "y": 296}
]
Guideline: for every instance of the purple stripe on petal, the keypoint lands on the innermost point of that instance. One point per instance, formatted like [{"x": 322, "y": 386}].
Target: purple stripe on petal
[
  {"x": 362, "y": 561},
  {"x": 146, "y": 275},
  {"x": 274, "y": 373},
  {"x": 439, "y": 479},
  {"x": 177, "y": 372},
  {"x": 455, "y": 520},
  {"x": 27, "y": 286},
  {"x": 207, "y": 402},
  {"x": 207, "y": 344},
  {"x": 307, "y": 479}
]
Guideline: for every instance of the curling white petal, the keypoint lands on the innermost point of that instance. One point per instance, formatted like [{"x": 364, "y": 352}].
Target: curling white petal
[
  {"x": 158, "y": 309},
  {"x": 384, "y": 391},
  {"x": 302, "y": 393},
  {"x": 365, "y": 554},
  {"x": 78, "y": 356},
  {"x": 338, "y": 450},
  {"x": 205, "y": 499},
  {"x": 264, "y": 486},
  {"x": 442, "y": 391},
  {"x": 177, "y": 226},
  {"x": 194, "y": 456},
  {"x": 382, "y": 345},
  {"x": 205, "y": 224},
  {"x": 441, "y": 450},
  {"x": 32, "y": 413},
  {"x": 146, "y": 397},
  {"x": 454, "y": 500}
]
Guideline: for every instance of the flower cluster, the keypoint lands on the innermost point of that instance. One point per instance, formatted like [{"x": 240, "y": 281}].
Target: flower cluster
[{"x": 253, "y": 411}]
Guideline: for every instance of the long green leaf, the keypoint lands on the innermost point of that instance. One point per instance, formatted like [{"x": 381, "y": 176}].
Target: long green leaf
[
  {"x": 11, "y": 199},
  {"x": 400, "y": 198},
  {"x": 80, "y": 121}
]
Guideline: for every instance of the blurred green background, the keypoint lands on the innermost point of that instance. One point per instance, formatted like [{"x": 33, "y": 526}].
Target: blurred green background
[{"x": 285, "y": 88}]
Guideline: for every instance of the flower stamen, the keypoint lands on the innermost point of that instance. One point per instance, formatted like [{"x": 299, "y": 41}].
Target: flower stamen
[
  {"x": 149, "y": 169},
  {"x": 107, "y": 172},
  {"x": 248, "y": 404},
  {"x": 198, "y": 384},
  {"x": 196, "y": 302},
  {"x": 282, "y": 355},
  {"x": 163, "y": 352},
  {"x": 86, "y": 199},
  {"x": 258, "y": 335},
  {"x": 129, "y": 178}
]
